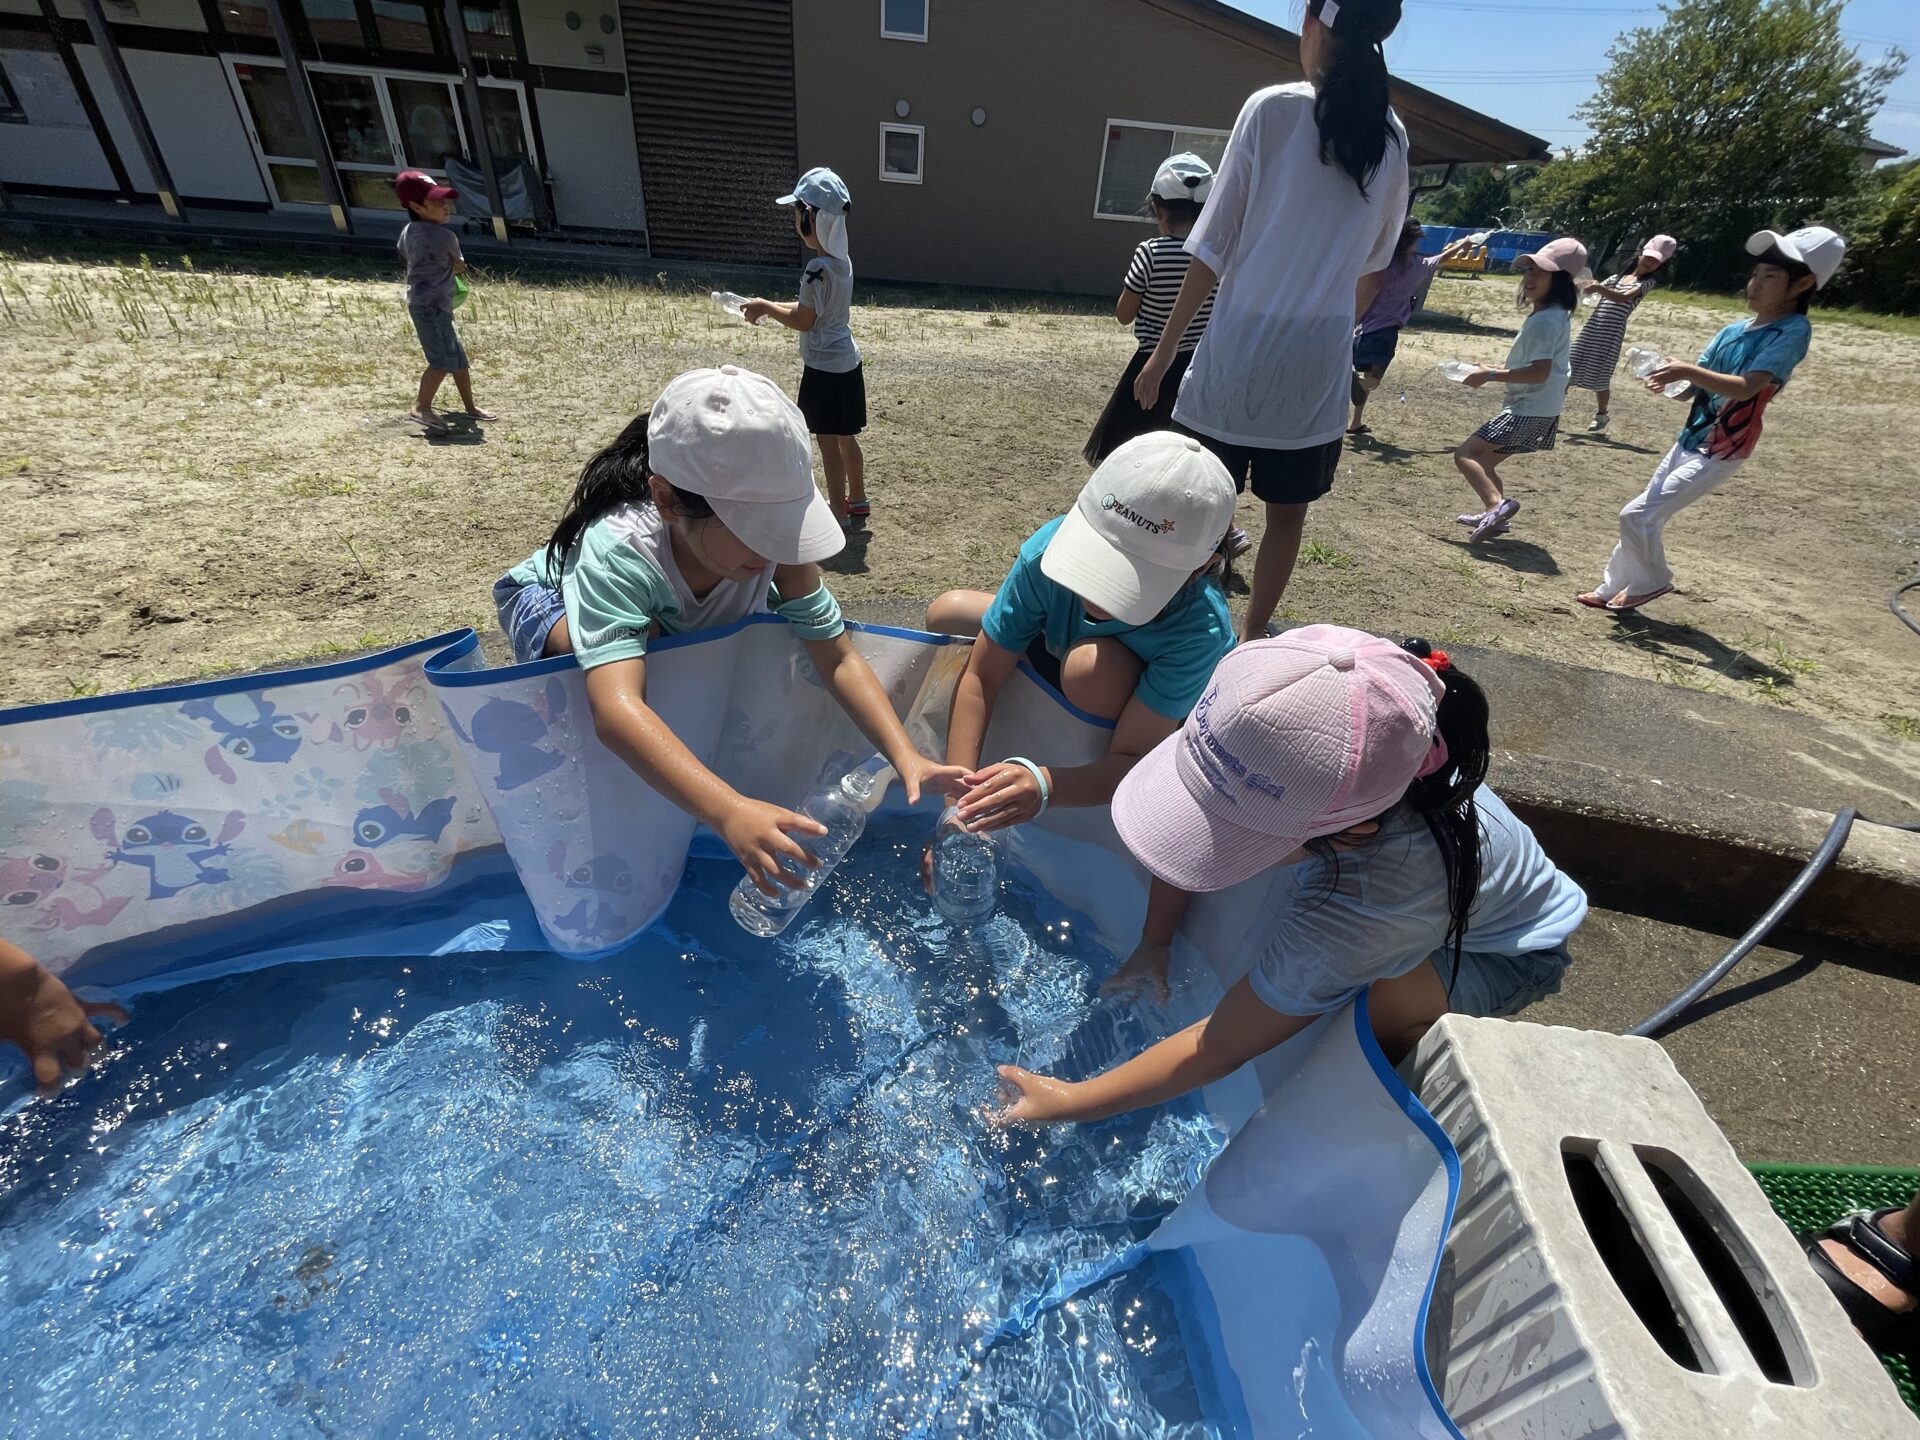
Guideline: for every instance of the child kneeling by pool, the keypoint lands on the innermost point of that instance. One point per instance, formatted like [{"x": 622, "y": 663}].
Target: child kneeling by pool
[
  {"x": 700, "y": 514},
  {"x": 1110, "y": 604},
  {"x": 1354, "y": 768}
]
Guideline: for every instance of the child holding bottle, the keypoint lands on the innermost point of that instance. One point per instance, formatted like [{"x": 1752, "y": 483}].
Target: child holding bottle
[{"x": 700, "y": 514}]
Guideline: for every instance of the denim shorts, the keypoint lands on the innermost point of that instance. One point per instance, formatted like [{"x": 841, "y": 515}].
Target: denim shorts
[
  {"x": 442, "y": 346},
  {"x": 1495, "y": 985},
  {"x": 528, "y": 614}
]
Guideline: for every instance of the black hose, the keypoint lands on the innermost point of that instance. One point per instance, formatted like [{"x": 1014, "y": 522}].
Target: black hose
[
  {"x": 1906, "y": 615},
  {"x": 1831, "y": 846}
]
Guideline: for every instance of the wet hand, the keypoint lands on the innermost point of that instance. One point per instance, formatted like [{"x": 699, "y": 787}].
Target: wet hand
[
  {"x": 761, "y": 838},
  {"x": 922, "y": 776},
  {"x": 754, "y": 311},
  {"x": 999, "y": 796},
  {"x": 1030, "y": 1099},
  {"x": 1145, "y": 973},
  {"x": 1477, "y": 379},
  {"x": 54, "y": 1030}
]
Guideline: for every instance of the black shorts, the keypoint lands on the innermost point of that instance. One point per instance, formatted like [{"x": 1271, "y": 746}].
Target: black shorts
[
  {"x": 1279, "y": 477},
  {"x": 1123, "y": 419},
  {"x": 834, "y": 403}
]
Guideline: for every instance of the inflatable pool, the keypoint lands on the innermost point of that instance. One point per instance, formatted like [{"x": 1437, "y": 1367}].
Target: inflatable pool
[{"x": 454, "y": 1103}]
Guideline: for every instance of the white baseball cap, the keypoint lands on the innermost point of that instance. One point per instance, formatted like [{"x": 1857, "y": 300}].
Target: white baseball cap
[
  {"x": 1815, "y": 246},
  {"x": 1184, "y": 177},
  {"x": 735, "y": 438},
  {"x": 1296, "y": 737},
  {"x": 1151, "y": 515}
]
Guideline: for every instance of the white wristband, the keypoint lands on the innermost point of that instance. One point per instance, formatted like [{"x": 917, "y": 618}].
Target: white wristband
[{"x": 1039, "y": 778}]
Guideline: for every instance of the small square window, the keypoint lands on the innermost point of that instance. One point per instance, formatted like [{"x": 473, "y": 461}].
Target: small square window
[
  {"x": 904, "y": 20},
  {"x": 903, "y": 153}
]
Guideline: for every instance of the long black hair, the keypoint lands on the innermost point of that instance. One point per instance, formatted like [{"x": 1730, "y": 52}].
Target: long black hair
[
  {"x": 1444, "y": 799},
  {"x": 1351, "y": 106},
  {"x": 615, "y": 476},
  {"x": 1563, "y": 290}
]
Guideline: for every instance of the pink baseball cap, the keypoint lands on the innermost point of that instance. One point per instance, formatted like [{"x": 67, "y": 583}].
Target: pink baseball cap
[
  {"x": 1566, "y": 254},
  {"x": 1296, "y": 737},
  {"x": 1661, "y": 248}
]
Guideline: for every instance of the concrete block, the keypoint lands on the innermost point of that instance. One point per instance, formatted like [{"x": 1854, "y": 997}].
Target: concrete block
[{"x": 1613, "y": 1269}]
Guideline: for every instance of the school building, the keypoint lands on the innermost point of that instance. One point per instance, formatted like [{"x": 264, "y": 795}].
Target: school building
[{"x": 986, "y": 142}]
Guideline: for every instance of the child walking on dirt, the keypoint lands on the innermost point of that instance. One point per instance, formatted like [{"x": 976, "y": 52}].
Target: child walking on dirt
[
  {"x": 1536, "y": 381},
  {"x": 833, "y": 384},
  {"x": 434, "y": 263},
  {"x": 1744, "y": 368},
  {"x": 1597, "y": 352},
  {"x": 1377, "y": 337}
]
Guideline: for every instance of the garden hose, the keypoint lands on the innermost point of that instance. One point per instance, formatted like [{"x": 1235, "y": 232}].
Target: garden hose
[{"x": 1830, "y": 847}]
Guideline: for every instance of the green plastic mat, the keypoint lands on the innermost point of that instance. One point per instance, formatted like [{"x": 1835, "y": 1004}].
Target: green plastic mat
[{"x": 1811, "y": 1197}]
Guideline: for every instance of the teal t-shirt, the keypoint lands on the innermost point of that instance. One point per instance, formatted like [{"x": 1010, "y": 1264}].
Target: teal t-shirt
[
  {"x": 1544, "y": 335},
  {"x": 621, "y": 586},
  {"x": 1178, "y": 648}
]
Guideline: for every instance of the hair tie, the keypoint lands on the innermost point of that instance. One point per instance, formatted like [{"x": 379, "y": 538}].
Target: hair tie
[
  {"x": 1423, "y": 651},
  {"x": 1439, "y": 660}
]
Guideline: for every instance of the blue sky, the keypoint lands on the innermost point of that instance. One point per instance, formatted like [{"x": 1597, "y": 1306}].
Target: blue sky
[{"x": 1467, "y": 49}]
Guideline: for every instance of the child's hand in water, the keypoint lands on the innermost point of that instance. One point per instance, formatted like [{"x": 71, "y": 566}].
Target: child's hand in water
[
  {"x": 1030, "y": 1099},
  {"x": 761, "y": 837},
  {"x": 921, "y": 776},
  {"x": 1145, "y": 973},
  {"x": 1000, "y": 796},
  {"x": 40, "y": 1015}
]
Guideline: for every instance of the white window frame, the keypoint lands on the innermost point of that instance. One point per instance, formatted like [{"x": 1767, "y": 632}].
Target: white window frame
[
  {"x": 925, "y": 22},
  {"x": 1100, "y": 181},
  {"x": 919, "y": 132}
]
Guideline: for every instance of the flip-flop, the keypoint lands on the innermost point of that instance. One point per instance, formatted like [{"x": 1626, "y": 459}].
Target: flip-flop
[
  {"x": 1634, "y": 602},
  {"x": 1888, "y": 1331},
  {"x": 481, "y": 415},
  {"x": 433, "y": 426},
  {"x": 1360, "y": 430},
  {"x": 1593, "y": 600}
]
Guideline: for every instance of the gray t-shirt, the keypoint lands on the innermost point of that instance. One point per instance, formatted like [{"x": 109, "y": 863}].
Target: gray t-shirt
[
  {"x": 1332, "y": 933},
  {"x": 430, "y": 251},
  {"x": 826, "y": 288},
  {"x": 1544, "y": 335}
]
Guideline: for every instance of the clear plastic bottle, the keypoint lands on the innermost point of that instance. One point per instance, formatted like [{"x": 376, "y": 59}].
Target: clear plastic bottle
[
  {"x": 1479, "y": 237},
  {"x": 1457, "y": 370},
  {"x": 966, "y": 871},
  {"x": 841, "y": 807},
  {"x": 734, "y": 305},
  {"x": 1643, "y": 362}
]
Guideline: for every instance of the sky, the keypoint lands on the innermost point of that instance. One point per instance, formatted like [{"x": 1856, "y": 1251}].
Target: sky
[{"x": 1467, "y": 49}]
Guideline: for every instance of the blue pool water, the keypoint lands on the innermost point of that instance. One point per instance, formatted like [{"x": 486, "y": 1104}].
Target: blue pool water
[{"x": 714, "y": 1186}]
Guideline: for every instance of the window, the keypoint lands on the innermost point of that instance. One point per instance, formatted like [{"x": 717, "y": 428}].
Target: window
[
  {"x": 1133, "y": 152},
  {"x": 902, "y": 153},
  {"x": 904, "y": 20}
]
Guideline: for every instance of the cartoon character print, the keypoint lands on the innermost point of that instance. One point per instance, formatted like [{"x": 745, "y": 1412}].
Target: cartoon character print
[
  {"x": 365, "y": 872},
  {"x": 175, "y": 850},
  {"x": 375, "y": 718},
  {"x": 248, "y": 727},
  {"x": 27, "y": 882},
  {"x": 394, "y": 820},
  {"x": 514, "y": 731},
  {"x": 604, "y": 875}
]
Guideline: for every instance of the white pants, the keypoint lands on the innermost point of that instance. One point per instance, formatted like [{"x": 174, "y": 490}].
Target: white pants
[{"x": 1639, "y": 561}]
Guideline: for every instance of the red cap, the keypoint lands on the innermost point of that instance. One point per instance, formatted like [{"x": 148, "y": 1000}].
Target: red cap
[{"x": 416, "y": 187}]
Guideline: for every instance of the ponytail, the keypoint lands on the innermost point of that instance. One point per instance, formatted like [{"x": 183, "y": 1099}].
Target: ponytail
[
  {"x": 1445, "y": 799},
  {"x": 1351, "y": 103},
  {"x": 614, "y": 477}
]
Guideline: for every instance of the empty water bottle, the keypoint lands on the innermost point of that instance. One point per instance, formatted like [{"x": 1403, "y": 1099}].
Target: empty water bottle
[
  {"x": 734, "y": 305},
  {"x": 1457, "y": 370},
  {"x": 842, "y": 808},
  {"x": 1479, "y": 237},
  {"x": 966, "y": 871},
  {"x": 1643, "y": 362}
]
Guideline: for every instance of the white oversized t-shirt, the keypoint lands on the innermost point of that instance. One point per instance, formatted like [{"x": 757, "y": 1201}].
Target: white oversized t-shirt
[{"x": 1290, "y": 237}]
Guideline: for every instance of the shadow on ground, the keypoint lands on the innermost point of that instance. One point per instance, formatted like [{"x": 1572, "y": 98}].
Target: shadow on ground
[
  {"x": 1522, "y": 556},
  {"x": 1693, "y": 648}
]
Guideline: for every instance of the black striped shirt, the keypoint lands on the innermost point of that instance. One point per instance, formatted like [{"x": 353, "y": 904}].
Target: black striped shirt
[{"x": 1159, "y": 266}]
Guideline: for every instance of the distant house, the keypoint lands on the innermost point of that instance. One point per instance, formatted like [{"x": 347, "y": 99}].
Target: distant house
[
  {"x": 995, "y": 142},
  {"x": 1873, "y": 151}
]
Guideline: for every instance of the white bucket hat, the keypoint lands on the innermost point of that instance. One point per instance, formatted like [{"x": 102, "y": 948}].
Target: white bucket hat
[
  {"x": 735, "y": 438},
  {"x": 1151, "y": 515}
]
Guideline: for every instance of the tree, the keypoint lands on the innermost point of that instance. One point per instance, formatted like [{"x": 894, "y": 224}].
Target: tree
[
  {"x": 1482, "y": 196},
  {"x": 1730, "y": 116},
  {"x": 1883, "y": 266}
]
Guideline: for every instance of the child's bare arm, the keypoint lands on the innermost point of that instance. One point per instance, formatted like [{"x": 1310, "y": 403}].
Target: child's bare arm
[
  {"x": 792, "y": 314},
  {"x": 1532, "y": 374},
  {"x": 988, "y": 667},
  {"x": 851, "y": 681},
  {"x": 1733, "y": 387},
  {"x": 1127, "y": 306}
]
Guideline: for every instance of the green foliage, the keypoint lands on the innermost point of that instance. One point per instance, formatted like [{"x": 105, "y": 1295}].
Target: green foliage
[
  {"x": 1730, "y": 116},
  {"x": 1480, "y": 196},
  {"x": 1883, "y": 268}
]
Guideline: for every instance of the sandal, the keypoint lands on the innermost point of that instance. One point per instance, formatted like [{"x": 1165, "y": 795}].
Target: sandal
[
  {"x": 429, "y": 422},
  {"x": 1593, "y": 600},
  {"x": 858, "y": 514},
  {"x": 1888, "y": 1331},
  {"x": 1623, "y": 603},
  {"x": 1358, "y": 430}
]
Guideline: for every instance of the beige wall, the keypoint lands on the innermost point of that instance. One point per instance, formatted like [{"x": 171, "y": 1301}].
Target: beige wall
[{"x": 1010, "y": 202}]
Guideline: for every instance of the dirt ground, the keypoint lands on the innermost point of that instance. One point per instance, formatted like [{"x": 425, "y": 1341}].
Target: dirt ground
[{"x": 207, "y": 471}]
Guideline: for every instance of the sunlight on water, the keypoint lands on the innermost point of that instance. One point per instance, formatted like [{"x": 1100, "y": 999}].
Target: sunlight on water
[{"x": 713, "y": 1187}]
